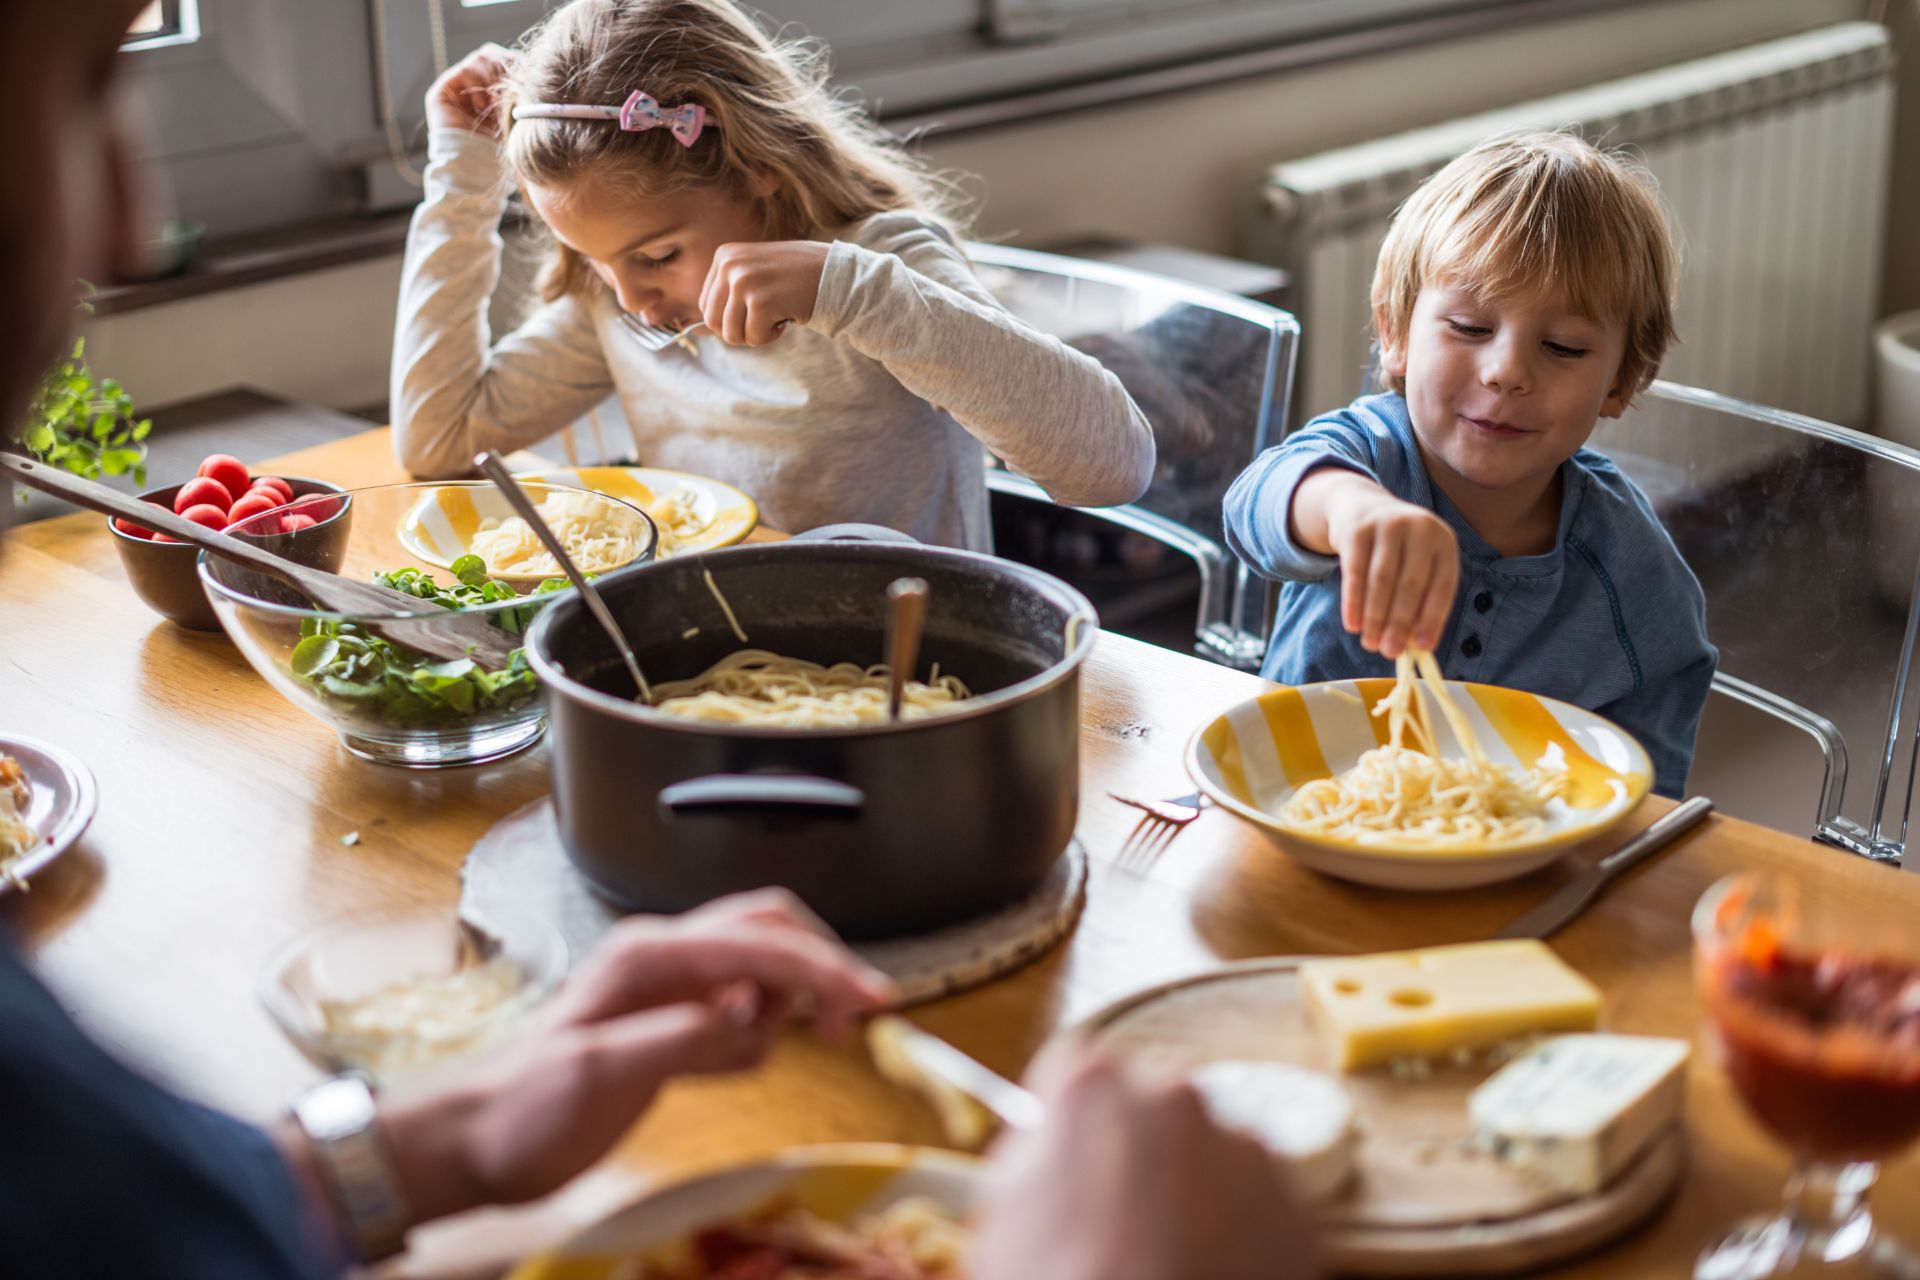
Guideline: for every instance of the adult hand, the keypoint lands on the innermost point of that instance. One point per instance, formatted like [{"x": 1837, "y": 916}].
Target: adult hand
[
  {"x": 464, "y": 97},
  {"x": 1399, "y": 562},
  {"x": 754, "y": 290},
  {"x": 701, "y": 993},
  {"x": 1130, "y": 1179}
]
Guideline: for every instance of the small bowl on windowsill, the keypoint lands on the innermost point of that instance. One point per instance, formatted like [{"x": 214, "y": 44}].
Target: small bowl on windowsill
[{"x": 169, "y": 251}]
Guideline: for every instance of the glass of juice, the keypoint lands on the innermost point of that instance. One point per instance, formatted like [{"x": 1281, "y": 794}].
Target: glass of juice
[{"x": 1815, "y": 1013}]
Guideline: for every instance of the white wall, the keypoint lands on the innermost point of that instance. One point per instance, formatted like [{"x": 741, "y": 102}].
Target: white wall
[{"x": 1176, "y": 171}]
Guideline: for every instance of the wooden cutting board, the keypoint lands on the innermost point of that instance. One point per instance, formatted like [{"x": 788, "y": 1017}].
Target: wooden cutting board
[{"x": 1424, "y": 1200}]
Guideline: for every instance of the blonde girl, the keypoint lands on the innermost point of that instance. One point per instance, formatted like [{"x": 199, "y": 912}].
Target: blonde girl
[{"x": 691, "y": 168}]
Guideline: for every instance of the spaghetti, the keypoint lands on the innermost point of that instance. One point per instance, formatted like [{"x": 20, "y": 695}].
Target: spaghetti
[
  {"x": 16, "y": 837},
  {"x": 1407, "y": 793},
  {"x": 913, "y": 1239},
  {"x": 755, "y": 687},
  {"x": 596, "y": 542}
]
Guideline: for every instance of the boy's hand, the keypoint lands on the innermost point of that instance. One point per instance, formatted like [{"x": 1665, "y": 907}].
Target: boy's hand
[
  {"x": 754, "y": 290},
  {"x": 463, "y": 96},
  {"x": 1399, "y": 562}
]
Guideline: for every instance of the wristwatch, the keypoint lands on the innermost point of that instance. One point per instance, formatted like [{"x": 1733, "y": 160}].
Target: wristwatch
[{"x": 338, "y": 1118}]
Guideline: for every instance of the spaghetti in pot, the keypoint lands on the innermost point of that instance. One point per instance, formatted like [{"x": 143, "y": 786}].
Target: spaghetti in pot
[
  {"x": 756, "y": 687},
  {"x": 1407, "y": 793}
]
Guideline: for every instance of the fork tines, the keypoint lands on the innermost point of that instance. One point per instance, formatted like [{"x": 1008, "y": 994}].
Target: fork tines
[{"x": 652, "y": 336}]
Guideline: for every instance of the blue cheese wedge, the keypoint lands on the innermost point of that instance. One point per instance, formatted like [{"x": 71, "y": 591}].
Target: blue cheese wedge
[
  {"x": 1575, "y": 1110},
  {"x": 1303, "y": 1117}
]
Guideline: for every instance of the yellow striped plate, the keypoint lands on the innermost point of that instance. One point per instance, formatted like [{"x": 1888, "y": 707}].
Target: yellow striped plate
[
  {"x": 838, "y": 1182},
  {"x": 1251, "y": 759}
]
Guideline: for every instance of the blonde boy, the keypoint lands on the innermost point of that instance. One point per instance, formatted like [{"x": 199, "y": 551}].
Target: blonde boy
[{"x": 1524, "y": 292}]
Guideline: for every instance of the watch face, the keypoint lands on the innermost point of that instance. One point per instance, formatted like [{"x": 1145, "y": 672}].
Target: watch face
[{"x": 331, "y": 1111}]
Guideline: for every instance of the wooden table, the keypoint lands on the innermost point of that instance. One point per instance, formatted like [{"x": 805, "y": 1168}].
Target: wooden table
[{"x": 224, "y": 810}]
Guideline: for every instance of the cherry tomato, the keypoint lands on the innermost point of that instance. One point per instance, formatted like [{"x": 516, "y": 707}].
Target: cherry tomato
[
  {"x": 295, "y": 522},
  {"x": 228, "y": 470},
  {"x": 276, "y": 484},
  {"x": 207, "y": 514},
  {"x": 132, "y": 530},
  {"x": 255, "y": 503},
  {"x": 203, "y": 489}
]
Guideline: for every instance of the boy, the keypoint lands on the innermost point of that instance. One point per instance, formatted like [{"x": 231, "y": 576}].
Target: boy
[{"x": 1523, "y": 292}]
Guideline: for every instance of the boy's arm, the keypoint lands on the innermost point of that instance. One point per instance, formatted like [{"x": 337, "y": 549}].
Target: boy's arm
[
  {"x": 1309, "y": 506},
  {"x": 453, "y": 395},
  {"x": 1665, "y": 716},
  {"x": 912, "y": 303}
]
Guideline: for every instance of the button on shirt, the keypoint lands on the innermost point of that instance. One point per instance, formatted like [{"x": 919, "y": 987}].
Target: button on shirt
[{"x": 1610, "y": 619}]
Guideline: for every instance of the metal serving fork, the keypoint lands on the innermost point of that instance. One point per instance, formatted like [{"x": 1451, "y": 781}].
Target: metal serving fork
[
  {"x": 1163, "y": 821},
  {"x": 656, "y": 337}
]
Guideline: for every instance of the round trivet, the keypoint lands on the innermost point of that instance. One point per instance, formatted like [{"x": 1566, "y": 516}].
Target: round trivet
[{"x": 519, "y": 865}]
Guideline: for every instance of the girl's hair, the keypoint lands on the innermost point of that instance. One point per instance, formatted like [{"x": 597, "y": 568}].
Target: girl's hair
[
  {"x": 774, "y": 124},
  {"x": 1529, "y": 210}
]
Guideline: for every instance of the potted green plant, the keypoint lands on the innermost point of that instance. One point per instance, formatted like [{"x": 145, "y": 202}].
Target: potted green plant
[{"x": 85, "y": 425}]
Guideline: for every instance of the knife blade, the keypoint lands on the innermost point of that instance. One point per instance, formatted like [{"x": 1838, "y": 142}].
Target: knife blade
[
  {"x": 1566, "y": 902},
  {"x": 923, "y": 1061}
]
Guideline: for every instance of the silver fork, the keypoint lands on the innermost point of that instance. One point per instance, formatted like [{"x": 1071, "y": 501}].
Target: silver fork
[
  {"x": 656, "y": 337},
  {"x": 1162, "y": 821}
]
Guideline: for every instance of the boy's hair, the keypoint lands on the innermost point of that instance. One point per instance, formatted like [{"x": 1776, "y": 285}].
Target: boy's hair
[
  {"x": 774, "y": 124},
  {"x": 1538, "y": 209}
]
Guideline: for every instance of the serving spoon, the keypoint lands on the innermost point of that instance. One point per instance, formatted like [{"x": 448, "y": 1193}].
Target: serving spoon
[
  {"x": 906, "y": 616},
  {"x": 436, "y": 632},
  {"x": 494, "y": 469}
]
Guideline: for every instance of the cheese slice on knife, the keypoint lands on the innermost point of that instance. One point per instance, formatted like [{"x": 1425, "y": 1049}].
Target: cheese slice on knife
[
  {"x": 1576, "y": 1110},
  {"x": 1427, "y": 1003},
  {"x": 1302, "y": 1116}
]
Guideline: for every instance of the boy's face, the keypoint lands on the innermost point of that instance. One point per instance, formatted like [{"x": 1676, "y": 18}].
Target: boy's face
[
  {"x": 1502, "y": 391},
  {"x": 653, "y": 252}
]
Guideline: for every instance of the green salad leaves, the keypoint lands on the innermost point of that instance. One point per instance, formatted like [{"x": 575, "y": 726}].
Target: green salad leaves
[{"x": 349, "y": 665}]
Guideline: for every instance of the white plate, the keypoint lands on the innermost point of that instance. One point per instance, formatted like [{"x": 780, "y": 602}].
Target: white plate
[
  {"x": 838, "y": 1182},
  {"x": 62, "y": 802}
]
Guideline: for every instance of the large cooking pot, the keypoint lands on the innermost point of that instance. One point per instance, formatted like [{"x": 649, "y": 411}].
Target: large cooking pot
[{"x": 882, "y": 829}]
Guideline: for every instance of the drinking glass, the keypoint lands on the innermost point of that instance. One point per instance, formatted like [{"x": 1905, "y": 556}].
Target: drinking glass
[{"x": 1814, "y": 1011}]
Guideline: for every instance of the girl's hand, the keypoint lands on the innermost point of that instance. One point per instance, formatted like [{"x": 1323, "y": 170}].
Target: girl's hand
[
  {"x": 463, "y": 96},
  {"x": 1130, "y": 1179},
  {"x": 700, "y": 993},
  {"x": 1399, "y": 562},
  {"x": 754, "y": 290}
]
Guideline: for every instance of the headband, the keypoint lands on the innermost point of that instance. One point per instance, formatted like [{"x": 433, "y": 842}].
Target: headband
[{"x": 638, "y": 114}]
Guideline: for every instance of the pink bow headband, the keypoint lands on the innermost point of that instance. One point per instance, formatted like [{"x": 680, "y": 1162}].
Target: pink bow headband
[{"x": 637, "y": 115}]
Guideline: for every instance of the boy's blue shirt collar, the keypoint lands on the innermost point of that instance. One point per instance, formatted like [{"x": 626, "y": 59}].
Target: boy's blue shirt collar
[{"x": 1390, "y": 408}]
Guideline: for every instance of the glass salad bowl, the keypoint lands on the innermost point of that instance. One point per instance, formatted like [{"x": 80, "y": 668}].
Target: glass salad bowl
[{"x": 388, "y": 703}]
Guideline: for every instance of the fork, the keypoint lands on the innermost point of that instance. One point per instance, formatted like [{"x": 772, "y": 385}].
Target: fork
[
  {"x": 656, "y": 337},
  {"x": 1162, "y": 821}
]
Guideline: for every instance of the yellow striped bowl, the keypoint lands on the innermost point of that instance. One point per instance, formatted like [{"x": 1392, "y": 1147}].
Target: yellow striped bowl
[
  {"x": 1252, "y": 758},
  {"x": 838, "y": 1182}
]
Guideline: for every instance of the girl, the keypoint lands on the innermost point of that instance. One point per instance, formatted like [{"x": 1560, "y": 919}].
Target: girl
[{"x": 690, "y": 168}]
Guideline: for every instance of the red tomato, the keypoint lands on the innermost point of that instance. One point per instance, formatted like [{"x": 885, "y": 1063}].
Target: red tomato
[
  {"x": 296, "y": 522},
  {"x": 207, "y": 514},
  {"x": 255, "y": 503},
  {"x": 276, "y": 484},
  {"x": 204, "y": 489},
  {"x": 132, "y": 530},
  {"x": 227, "y": 469},
  {"x": 319, "y": 507},
  {"x": 161, "y": 537}
]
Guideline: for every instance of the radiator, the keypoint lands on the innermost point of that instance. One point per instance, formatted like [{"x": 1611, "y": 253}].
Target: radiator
[{"x": 1774, "y": 159}]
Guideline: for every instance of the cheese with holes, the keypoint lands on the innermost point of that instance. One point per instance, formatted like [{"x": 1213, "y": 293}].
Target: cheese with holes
[
  {"x": 1303, "y": 1117},
  {"x": 1576, "y": 1110},
  {"x": 1428, "y": 1003}
]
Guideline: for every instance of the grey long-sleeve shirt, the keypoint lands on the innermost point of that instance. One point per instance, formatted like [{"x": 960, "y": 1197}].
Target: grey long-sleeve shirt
[{"x": 874, "y": 410}]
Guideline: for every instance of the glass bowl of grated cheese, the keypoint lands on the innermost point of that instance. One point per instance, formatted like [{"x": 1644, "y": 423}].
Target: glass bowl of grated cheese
[{"x": 399, "y": 997}]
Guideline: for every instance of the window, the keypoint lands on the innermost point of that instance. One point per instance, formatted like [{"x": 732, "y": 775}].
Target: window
[{"x": 162, "y": 23}]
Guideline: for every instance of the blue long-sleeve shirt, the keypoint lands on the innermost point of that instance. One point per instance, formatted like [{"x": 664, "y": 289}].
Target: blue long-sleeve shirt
[{"x": 1610, "y": 619}]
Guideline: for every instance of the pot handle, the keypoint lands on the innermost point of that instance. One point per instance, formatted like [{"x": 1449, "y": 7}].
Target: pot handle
[
  {"x": 725, "y": 792},
  {"x": 1077, "y": 623},
  {"x": 854, "y": 532}
]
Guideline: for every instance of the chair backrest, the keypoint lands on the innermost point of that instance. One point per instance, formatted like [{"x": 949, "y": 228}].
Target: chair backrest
[
  {"x": 1806, "y": 538},
  {"x": 1213, "y": 373}
]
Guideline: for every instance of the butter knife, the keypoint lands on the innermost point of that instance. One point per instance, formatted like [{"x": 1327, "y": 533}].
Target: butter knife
[
  {"x": 953, "y": 1082},
  {"x": 1570, "y": 899}
]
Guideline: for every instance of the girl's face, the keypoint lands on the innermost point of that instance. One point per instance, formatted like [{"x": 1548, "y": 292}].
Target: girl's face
[{"x": 652, "y": 251}]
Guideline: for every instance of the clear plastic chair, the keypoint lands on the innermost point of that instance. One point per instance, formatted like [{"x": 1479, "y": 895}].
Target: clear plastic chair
[
  {"x": 1806, "y": 538},
  {"x": 1213, "y": 373}
]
